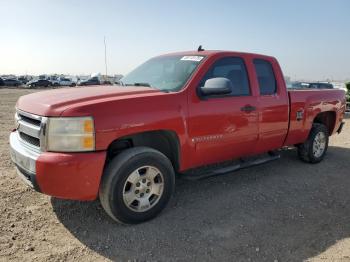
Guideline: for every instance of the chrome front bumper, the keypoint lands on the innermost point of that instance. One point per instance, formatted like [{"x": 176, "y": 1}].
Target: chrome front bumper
[{"x": 24, "y": 157}]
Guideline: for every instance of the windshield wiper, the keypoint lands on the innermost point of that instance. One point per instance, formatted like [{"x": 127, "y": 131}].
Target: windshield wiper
[
  {"x": 146, "y": 85},
  {"x": 142, "y": 84}
]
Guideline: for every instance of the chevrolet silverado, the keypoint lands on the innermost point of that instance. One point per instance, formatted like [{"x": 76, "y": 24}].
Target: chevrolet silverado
[{"x": 188, "y": 113}]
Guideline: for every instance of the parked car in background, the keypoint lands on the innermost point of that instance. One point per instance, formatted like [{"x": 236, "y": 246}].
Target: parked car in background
[
  {"x": 40, "y": 83},
  {"x": 64, "y": 81},
  {"x": 54, "y": 80},
  {"x": 23, "y": 79},
  {"x": 90, "y": 82},
  {"x": 321, "y": 85},
  {"x": 339, "y": 85},
  {"x": 298, "y": 85},
  {"x": 1, "y": 82},
  {"x": 42, "y": 76},
  {"x": 106, "y": 82},
  {"x": 12, "y": 82}
]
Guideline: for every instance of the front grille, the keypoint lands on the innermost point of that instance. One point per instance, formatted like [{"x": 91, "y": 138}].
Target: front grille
[
  {"x": 30, "y": 139},
  {"x": 32, "y": 121},
  {"x": 29, "y": 128}
]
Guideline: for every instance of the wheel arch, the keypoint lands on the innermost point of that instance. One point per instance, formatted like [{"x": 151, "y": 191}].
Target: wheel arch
[
  {"x": 327, "y": 118},
  {"x": 165, "y": 141}
]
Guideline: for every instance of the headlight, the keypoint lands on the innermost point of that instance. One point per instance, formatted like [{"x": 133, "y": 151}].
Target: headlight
[{"x": 70, "y": 134}]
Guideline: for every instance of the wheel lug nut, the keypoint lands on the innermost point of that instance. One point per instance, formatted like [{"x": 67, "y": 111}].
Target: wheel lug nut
[
  {"x": 136, "y": 191},
  {"x": 147, "y": 191},
  {"x": 144, "y": 180},
  {"x": 137, "y": 184},
  {"x": 141, "y": 194},
  {"x": 149, "y": 183}
]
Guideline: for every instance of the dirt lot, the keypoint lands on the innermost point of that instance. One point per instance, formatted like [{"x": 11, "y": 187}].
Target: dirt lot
[{"x": 281, "y": 211}]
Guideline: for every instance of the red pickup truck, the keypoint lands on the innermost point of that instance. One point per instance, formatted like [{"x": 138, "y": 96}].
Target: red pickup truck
[{"x": 177, "y": 113}]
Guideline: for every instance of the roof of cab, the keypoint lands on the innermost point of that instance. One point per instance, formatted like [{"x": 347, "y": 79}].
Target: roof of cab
[{"x": 215, "y": 52}]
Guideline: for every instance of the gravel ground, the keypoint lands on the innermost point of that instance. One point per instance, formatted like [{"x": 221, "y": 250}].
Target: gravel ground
[{"x": 285, "y": 210}]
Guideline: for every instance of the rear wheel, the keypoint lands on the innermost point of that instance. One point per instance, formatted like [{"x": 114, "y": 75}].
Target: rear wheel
[
  {"x": 315, "y": 147},
  {"x": 136, "y": 185}
]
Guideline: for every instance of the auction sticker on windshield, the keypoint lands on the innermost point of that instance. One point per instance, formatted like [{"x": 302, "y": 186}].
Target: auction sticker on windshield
[{"x": 192, "y": 58}]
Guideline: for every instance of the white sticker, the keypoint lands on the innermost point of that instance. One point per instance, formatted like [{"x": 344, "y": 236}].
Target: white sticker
[{"x": 192, "y": 58}]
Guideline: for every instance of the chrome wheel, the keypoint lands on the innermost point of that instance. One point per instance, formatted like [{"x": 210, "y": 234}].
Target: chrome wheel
[
  {"x": 143, "y": 188},
  {"x": 319, "y": 144}
]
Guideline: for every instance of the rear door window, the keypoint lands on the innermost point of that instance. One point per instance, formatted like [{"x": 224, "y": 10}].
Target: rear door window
[{"x": 266, "y": 77}]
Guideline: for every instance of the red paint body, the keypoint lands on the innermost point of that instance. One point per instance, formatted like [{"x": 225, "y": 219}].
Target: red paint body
[{"x": 120, "y": 111}]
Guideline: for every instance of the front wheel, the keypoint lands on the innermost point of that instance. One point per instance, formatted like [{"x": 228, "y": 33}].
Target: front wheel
[
  {"x": 315, "y": 147},
  {"x": 136, "y": 185}
]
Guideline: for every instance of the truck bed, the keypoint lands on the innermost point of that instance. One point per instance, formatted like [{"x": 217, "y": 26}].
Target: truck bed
[{"x": 306, "y": 104}]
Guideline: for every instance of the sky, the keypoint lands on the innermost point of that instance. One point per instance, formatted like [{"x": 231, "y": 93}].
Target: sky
[{"x": 311, "y": 39}]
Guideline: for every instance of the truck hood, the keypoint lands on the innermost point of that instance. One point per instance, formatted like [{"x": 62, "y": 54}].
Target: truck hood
[{"x": 55, "y": 102}]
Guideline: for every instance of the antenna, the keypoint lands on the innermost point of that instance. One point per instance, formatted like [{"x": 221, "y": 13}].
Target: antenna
[
  {"x": 104, "y": 41},
  {"x": 200, "y": 48}
]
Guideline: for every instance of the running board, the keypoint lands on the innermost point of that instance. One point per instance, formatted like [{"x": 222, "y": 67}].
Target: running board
[{"x": 228, "y": 167}]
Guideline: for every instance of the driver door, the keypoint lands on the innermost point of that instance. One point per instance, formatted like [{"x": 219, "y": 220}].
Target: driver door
[{"x": 224, "y": 127}]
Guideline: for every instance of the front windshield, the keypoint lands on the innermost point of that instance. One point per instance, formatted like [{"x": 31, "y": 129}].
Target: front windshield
[{"x": 166, "y": 73}]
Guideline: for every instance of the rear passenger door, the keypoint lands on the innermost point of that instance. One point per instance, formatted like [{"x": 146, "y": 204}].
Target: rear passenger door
[
  {"x": 224, "y": 127},
  {"x": 273, "y": 104}
]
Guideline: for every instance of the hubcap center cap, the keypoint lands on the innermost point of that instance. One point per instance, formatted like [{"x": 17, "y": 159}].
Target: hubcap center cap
[{"x": 143, "y": 188}]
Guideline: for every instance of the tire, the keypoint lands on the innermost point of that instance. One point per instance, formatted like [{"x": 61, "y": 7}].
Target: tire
[
  {"x": 308, "y": 151},
  {"x": 115, "y": 187}
]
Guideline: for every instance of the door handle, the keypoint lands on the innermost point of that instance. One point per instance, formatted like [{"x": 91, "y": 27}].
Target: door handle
[{"x": 248, "y": 108}]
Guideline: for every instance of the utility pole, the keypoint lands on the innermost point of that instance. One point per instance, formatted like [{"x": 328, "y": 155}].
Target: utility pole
[{"x": 104, "y": 40}]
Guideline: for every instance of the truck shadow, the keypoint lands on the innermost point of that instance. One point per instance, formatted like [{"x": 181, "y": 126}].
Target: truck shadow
[{"x": 285, "y": 210}]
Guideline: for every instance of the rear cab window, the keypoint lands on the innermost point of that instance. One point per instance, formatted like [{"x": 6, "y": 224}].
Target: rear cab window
[{"x": 266, "y": 77}]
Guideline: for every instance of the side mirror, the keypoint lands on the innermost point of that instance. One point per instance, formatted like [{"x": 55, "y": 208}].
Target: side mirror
[{"x": 216, "y": 86}]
